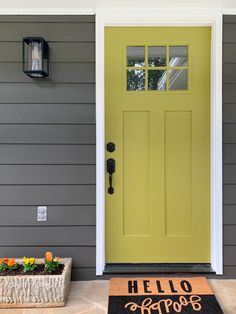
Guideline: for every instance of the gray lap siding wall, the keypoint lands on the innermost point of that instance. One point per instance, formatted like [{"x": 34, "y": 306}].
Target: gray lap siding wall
[
  {"x": 229, "y": 144},
  {"x": 47, "y": 142}
]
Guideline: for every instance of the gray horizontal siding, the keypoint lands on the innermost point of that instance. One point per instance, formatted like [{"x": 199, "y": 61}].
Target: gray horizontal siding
[
  {"x": 47, "y": 154},
  {"x": 230, "y": 272},
  {"x": 229, "y": 74},
  {"x": 47, "y": 92},
  {"x": 38, "y": 236},
  {"x": 47, "y": 195},
  {"x": 228, "y": 19},
  {"x": 85, "y": 273},
  {"x": 56, "y": 31},
  {"x": 60, "y": 73},
  {"x": 230, "y": 173},
  {"x": 229, "y": 133},
  {"x": 67, "y": 215},
  {"x": 229, "y": 152},
  {"x": 229, "y": 214},
  {"x": 229, "y": 255},
  {"x": 229, "y": 235},
  {"x": 229, "y": 51},
  {"x": 47, "y": 142},
  {"x": 229, "y": 194},
  {"x": 47, "y": 174},
  {"x": 229, "y": 113},
  {"x": 229, "y": 93},
  {"x": 229, "y": 31},
  {"x": 59, "y": 51},
  {"x": 47, "y": 19},
  {"x": 229, "y": 145},
  {"x": 48, "y": 133},
  {"x": 47, "y": 113}
]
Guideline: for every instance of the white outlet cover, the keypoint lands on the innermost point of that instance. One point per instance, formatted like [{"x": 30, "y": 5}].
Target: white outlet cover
[{"x": 42, "y": 213}]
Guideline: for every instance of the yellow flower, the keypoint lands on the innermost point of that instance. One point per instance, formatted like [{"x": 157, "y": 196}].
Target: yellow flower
[
  {"x": 29, "y": 260},
  {"x": 26, "y": 260}
]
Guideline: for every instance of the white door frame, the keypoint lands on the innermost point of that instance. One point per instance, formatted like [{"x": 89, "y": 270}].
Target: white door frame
[{"x": 163, "y": 17}]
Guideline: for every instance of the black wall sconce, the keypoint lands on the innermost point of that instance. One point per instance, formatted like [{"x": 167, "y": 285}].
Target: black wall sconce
[{"x": 35, "y": 57}]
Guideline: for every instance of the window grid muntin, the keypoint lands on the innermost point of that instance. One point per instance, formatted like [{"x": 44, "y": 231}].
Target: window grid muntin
[{"x": 166, "y": 68}]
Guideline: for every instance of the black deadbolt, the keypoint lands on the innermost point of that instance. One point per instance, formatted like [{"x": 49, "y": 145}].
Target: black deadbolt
[{"x": 111, "y": 147}]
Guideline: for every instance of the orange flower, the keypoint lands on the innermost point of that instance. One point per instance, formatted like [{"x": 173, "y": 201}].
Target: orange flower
[
  {"x": 4, "y": 260},
  {"x": 48, "y": 257},
  {"x": 11, "y": 262}
]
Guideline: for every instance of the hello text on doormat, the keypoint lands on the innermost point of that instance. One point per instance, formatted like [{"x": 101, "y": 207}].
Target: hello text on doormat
[{"x": 161, "y": 296}]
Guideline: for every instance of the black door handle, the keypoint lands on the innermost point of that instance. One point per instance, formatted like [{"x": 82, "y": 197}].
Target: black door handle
[{"x": 111, "y": 167}]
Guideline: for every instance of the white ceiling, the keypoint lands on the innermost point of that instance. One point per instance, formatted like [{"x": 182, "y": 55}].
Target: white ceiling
[{"x": 94, "y": 4}]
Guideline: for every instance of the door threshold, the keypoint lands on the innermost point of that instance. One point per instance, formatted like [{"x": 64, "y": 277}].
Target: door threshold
[{"x": 159, "y": 268}]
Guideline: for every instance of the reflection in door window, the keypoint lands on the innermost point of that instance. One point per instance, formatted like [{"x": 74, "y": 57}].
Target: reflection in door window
[
  {"x": 156, "y": 79},
  {"x": 135, "y": 56},
  {"x": 135, "y": 80},
  {"x": 178, "y": 56},
  {"x": 156, "y": 56},
  {"x": 178, "y": 80}
]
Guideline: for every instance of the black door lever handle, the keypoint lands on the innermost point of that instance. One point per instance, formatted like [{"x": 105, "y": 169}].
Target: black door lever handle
[{"x": 111, "y": 165}]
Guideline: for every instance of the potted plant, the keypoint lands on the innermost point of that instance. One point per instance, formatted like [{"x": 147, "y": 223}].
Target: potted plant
[{"x": 28, "y": 282}]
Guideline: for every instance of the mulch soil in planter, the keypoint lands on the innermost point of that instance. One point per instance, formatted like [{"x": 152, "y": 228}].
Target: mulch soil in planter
[{"x": 38, "y": 271}]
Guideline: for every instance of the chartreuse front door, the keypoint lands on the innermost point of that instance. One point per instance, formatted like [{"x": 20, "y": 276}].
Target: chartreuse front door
[{"x": 157, "y": 106}]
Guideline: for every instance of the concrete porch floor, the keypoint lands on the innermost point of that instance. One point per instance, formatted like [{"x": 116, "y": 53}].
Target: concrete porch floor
[{"x": 90, "y": 297}]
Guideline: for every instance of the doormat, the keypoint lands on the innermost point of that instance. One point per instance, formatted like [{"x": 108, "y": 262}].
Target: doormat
[{"x": 161, "y": 296}]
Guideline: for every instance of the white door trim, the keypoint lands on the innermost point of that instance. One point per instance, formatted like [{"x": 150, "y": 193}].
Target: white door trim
[{"x": 163, "y": 17}]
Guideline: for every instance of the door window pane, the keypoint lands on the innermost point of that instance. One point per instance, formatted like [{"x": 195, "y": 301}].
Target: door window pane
[
  {"x": 178, "y": 80},
  {"x": 157, "y": 79},
  {"x": 159, "y": 68},
  {"x": 135, "y": 56},
  {"x": 135, "y": 80},
  {"x": 156, "y": 56},
  {"x": 178, "y": 56}
]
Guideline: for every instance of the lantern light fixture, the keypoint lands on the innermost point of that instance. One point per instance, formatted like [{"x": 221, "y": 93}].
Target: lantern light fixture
[{"x": 35, "y": 57}]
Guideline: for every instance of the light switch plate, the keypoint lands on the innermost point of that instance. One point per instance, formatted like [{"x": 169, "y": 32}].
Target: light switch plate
[{"x": 42, "y": 213}]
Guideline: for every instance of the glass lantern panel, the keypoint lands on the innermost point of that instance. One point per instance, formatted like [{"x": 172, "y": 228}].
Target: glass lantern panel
[{"x": 36, "y": 57}]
